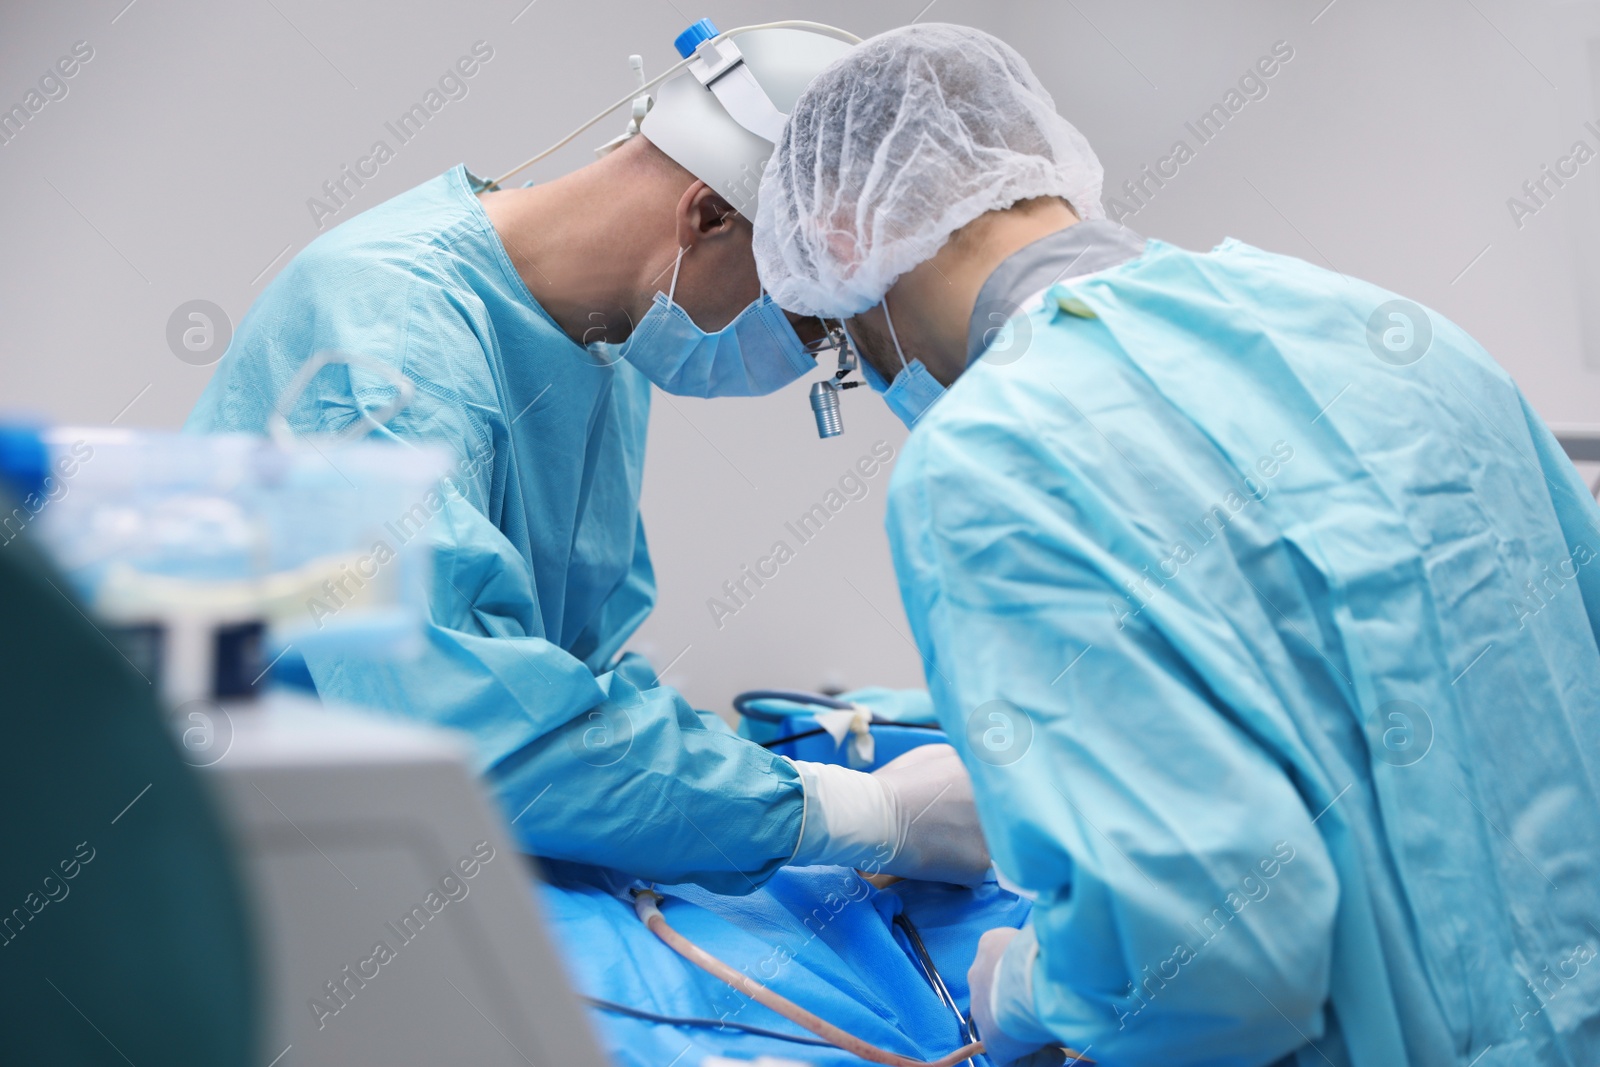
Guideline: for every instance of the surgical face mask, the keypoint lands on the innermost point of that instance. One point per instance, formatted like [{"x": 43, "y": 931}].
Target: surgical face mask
[
  {"x": 753, "y": 355},
  {"x": 913, "y": 390}
]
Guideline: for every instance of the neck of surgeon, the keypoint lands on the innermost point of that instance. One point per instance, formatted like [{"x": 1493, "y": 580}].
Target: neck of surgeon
[{"x": 932, "y": 304}]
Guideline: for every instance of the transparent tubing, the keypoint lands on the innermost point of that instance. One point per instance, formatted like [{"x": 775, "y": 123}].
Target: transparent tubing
[{"x": 644, "y": 902}]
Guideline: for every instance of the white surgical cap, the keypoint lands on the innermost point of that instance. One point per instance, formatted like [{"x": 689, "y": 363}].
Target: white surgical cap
[{"x": 895, "y": 146}]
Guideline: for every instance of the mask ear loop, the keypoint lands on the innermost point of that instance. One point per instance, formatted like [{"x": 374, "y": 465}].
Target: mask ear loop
[
  {"x": 677, "y": 264},
  {"x": 904, "y": 364}
]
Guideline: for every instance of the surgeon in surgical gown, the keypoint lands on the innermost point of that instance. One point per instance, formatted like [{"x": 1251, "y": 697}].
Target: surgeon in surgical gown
[
  {"x": 541, "y": 572},
  {"x": 541, "y": 569},
  {"x": 1260, "y": 605}
]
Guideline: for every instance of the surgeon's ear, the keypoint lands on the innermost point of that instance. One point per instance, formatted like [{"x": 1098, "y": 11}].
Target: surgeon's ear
[{"x": 703, "y": 216}]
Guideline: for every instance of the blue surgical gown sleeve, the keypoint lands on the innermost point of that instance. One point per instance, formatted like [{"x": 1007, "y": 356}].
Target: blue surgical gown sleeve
[
  {"x": 1185, "y": 899},
  {"x": 540, "y": 570},
  {"x": 591, "y": 767}
]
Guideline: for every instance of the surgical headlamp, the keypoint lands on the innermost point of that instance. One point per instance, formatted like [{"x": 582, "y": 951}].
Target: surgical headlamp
[
  {"x": 718, "y": 113},
  {"x": 825, "y": 394}
]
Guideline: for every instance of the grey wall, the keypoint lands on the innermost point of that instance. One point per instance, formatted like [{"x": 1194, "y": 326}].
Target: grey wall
[{"x": 179, "y": 163}]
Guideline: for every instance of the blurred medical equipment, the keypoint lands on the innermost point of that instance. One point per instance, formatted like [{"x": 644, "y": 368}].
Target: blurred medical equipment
[
  {"x": 394, "y": 918},
  {"x": 1582, "y": 445},
  {"x": 213, "y": 559},
  {"x": 122, "y": 902}
]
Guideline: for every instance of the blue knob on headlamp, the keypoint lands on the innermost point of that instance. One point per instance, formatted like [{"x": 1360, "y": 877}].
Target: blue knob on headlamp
[{"x": 693, "y": 37}]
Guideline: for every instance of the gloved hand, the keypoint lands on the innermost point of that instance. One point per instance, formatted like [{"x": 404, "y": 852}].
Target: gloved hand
[
  {"x": 936, "y": 825},
  {"x": 913, "y": 817},
  {"x": 998, "y": 1045}
]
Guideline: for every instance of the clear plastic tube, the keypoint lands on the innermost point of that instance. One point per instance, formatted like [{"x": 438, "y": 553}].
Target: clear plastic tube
[{"x": 644, "y": 902}]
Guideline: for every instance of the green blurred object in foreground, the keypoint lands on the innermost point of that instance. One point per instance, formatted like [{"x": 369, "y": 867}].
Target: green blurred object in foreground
[{"x": 123, "y": 932}]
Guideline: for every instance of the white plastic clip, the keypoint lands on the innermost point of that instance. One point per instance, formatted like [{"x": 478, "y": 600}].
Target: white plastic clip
[
  {"x": 720, "y": 67},
  {"x": 855, "y": 724},
  {"x": 641, "y": 107}
]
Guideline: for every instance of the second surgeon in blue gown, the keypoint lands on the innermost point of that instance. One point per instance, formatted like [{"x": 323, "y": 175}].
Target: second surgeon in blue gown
[{"x": 1260, "y": 603}]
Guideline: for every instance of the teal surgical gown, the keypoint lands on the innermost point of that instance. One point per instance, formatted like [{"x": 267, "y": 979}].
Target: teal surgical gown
[
  {"x": 1275, "y": 664},
  {"x": 540, "y": 566}
]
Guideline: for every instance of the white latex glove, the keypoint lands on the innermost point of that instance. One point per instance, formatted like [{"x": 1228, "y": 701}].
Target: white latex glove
[
  {"x": 913, "y": 817},
  {"x": 998, "y": 1045},
  {"x": 937, "y": 832}
]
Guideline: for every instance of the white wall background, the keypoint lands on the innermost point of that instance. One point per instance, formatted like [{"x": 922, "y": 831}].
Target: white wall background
[{"x": 179, "y": 164}]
